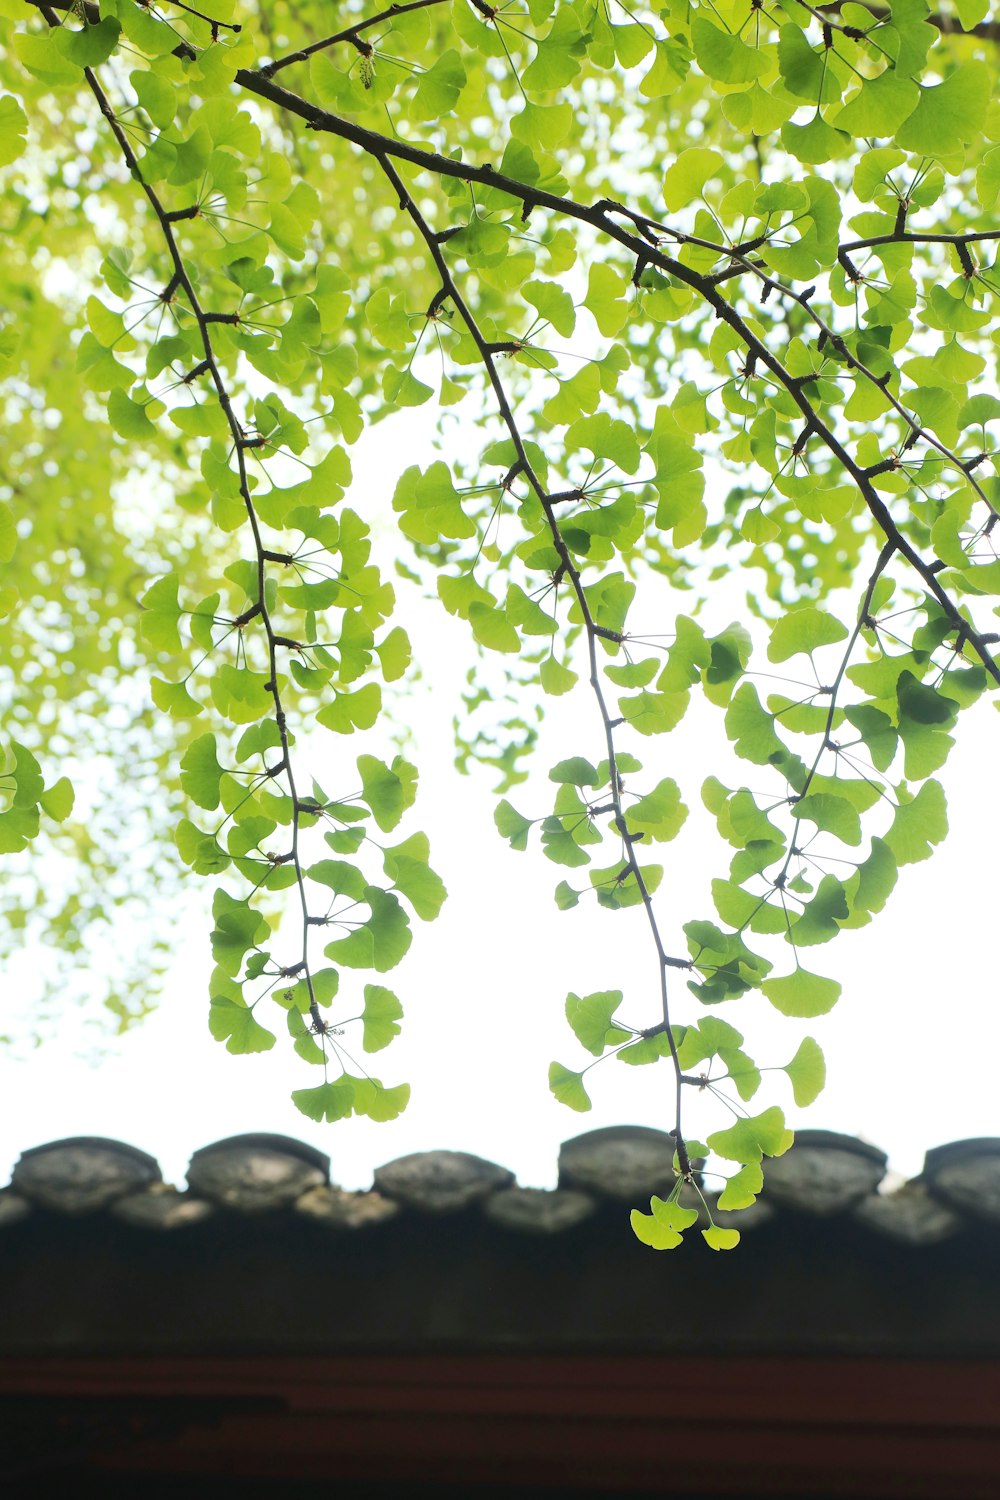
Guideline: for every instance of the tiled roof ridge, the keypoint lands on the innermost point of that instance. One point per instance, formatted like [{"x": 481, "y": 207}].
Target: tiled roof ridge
[{"x": 825, "y": 1174}]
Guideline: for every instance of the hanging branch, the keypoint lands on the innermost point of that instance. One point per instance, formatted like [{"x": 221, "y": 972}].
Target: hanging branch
[
  {"x": 181, "y": 280},
  {"x": 524, "y": 466}
]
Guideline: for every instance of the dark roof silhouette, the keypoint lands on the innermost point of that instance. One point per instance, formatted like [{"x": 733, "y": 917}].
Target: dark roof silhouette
[
  {"x": 835, "y": 1263},
  {"x": 266, "y": 1333}
]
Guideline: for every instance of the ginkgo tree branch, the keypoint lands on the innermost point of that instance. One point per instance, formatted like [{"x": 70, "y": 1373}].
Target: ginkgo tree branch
[
  {"x": 908, "y": 237},
  {"x": 348, "y": 34},
  {"x": 863, "y": 622},
  {"x": 524, "y": 466},
  {"x": 599, "y": 217},
  {"x": 181, "y": 279},
  {"x": 948, "y": 23},
  {"x": 917, "y": 432}
]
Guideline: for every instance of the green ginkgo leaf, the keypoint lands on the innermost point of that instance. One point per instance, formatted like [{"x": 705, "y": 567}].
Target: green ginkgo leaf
[
  {"x": 388, "y": 790},
  {"x": 742, "y": 1188},
  {"x": 685, "y": 178},
  {"x": 553, "y": 303},
  {"x": 948, "y": 114},
  {"x": 232, "y": 1023},
  {"x": 380, "y": 1016},
  {"x": 160, "y": 614},
  {"x": 802, "y": 994},
  {"x": 13, "y": 130},
  {"x": 576, "y": 770},
  {"x": 803, "y": 630},
  {"x": 201, "y": 772},
  {"x": 57, "y": 800},
  {"x": 568, "y": 1088},
  {"x": 590, "y": 1019},
  {"x": 721, "y": 1239},
  {"x": 749, "y": 1139},
  {"x": 807, "y": 1072},
  {"x": 329, "y": 1102},
  {"x": 663, "y": 1228},
  {"x": 90, "y": 45},
  {"x": 511, "y": 825},
  {"x": 660, "y": 814}
]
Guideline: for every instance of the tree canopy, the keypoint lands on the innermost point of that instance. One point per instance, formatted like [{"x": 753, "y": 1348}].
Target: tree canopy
[{"x": 712, "y": 288}]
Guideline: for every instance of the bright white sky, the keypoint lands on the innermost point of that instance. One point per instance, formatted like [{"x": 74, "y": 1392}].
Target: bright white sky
[{"x": 911, "y": 1047}]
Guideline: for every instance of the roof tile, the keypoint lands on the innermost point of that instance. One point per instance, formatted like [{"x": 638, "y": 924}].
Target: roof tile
[
  {"x": 625, "y": 1162},
  {"x": 83, "y": 1173},
  {"x": 824, "y": 1173},
  {"x": 909, "y": 1214},
  {"x": 539, "y": 1210},
  {"x": 440, "y": 1181},
  {"x": 257, "y": 1173},
  {"x": 966, "y": 1176}
]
